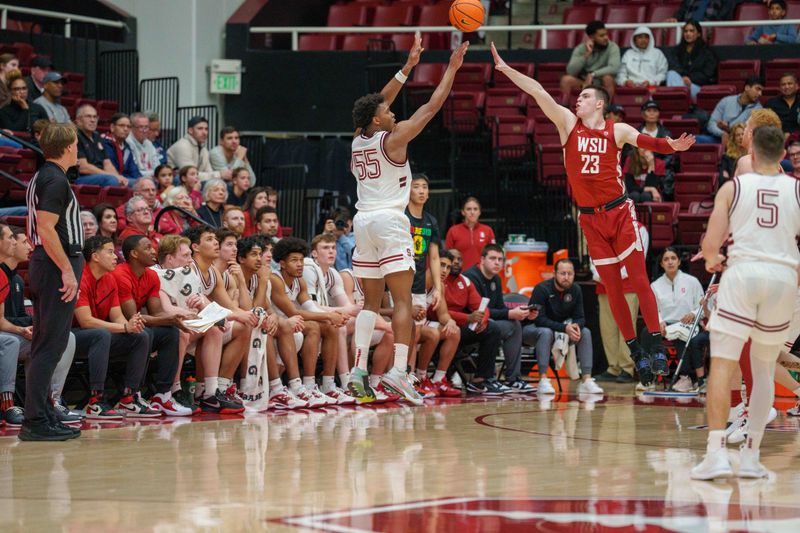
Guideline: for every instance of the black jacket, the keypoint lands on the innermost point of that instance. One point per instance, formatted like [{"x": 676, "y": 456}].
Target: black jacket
[
  {"x": 15, "y": 301},
  {"x": 700, "y": 65},
  {"x": 715, "y": 10},
  {"x": 489, "y": 288},
  {"x": 14, "y": 118},
  {"x": 557, "y": 306}
]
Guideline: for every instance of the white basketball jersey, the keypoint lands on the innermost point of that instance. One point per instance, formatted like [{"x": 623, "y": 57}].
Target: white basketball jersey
[
  {"x": 765, "y": 219},
  {"x": 382, "y": 183}
]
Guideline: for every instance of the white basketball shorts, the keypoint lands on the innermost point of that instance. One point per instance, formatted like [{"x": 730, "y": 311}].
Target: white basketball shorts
[{"x": 383, "y": 243}]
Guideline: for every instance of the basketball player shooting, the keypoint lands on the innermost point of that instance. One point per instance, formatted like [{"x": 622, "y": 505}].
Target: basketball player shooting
[
  {"x": 592, "y": 148},
  {"x": 383, "y": 254}
]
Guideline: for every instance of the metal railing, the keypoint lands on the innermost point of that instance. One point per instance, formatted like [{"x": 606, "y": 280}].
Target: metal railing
[
  {"x": 160, "y": 95},
  {"x": 26, "y": 144},
  {"x": 180, "y": 210},
  {"x": 209, "y": 112},
  {"x": 296, "y": 31},
  {"x": 118, "y": 76},
  {"x": 68, "y": 18}
]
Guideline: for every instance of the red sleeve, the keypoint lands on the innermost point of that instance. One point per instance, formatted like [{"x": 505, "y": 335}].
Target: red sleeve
[
  {"x": 112, "y": 286},
  {"x": 459, "y": 316},
  {"x": 660, "y": 167},
  {"x": 124, "y": 286},
  {"x": 657, "y": 145},
  {"x": 83, "y": 292},
  {"x": 153, "y": 284},
  {"x": 491, "y": 235},
  {"x": 450, "y": 239}
]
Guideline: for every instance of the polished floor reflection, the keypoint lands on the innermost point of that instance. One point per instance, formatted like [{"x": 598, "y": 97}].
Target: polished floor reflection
[{"x": 451, "y": 465}]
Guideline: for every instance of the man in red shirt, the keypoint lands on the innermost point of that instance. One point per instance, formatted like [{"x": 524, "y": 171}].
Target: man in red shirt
[
  {"x": 103, "y": 330},
  {"x": 592, "y": 148},
  {"x": 139, "y": 216},
  {"x": 138, "y": 288},
  {"x": 463, "y": 302}
]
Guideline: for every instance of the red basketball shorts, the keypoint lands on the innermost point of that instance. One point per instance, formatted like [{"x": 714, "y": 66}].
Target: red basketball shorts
[{"x": 611, "y": 235}]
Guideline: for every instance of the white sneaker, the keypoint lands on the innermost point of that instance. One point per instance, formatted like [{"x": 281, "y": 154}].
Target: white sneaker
[
  {"x": 684, "y": 384},
  {"x": 749, "y": 467},
  {"x": 644, "y": 388},
  {"x": 589, "y": 387},
  {"x": 339, "y": 396},
  {"x": 714, "y": 465},
  {"x": 314, "y": 391},
  {"x": 736, "y": 412},
  {"x": 312, "y": 400},
  {"x": 737, "y": 432},
  {"x": 283, "y": 399},
  {"x": 545, "y": 387},
  {"x": 398, "y": 382},
  {"x": 794, "y": 411},
  {"x": 168, "y": 406}
]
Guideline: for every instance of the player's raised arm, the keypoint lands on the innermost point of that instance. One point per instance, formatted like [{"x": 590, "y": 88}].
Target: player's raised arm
[
  {"x": 627, "y": 134},
  {"x": 405, "y": 131},
  {"x": 392, "y": 88},
  {"x": 718, "y": 227},
  {"x": 562, "y": 117}
]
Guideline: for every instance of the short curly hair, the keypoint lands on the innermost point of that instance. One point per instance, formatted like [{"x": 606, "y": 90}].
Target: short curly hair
[
  {"x": 365, "y": 108},
  {"x": 289, "y": 245}
]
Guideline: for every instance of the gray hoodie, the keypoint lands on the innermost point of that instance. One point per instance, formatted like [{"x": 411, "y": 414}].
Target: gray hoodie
[{"x": 640, "y": 66}]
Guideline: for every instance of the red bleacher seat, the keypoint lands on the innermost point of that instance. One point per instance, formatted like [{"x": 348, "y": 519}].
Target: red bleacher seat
[
  {"x": 106, "y": 108},
  {"x": 343, "y": 15},
  {"x": 775, "y": 68},
  {"x": 551, "y": 163},
  {"x": 71, "y": 103},
  {"x": 545, "y": 132},
  {"x": 792, "y": 10},
  {"x": 9, "y": 163},
  {"x": 20, "y": 222},
  {"x": 678, "y": 126},
  {"x": 24, "y": 52},
  {"x": 625, "y": 13},
  {"x": 660, "y": 13},
  {"x": 509, "y": 130},
  {"x": 631, "y": 98},
  {"x": 694, "y": 187},
  {"x": 561, "y": 39},
  {"x": 398, "y": 14},
  {"x": 504, "y": 102},
  {"x": 427, "y": 74},
  {"x": 736, "y": 71},
  {"x": 672, "y": 100},
  {"x": 436, "y": 15},
  {"x": 735, "y": 36},
  {"x": 116, "y": 196},
  {"x": 659, "y": 218},
  {"x": 472, "y": 77},
  {"x": 701, "y": 158},
  {"x": 317, "y": 41},
  {"x": 403, "y": 41},
  {"x": 502, "y": 81},
  {"x": 582, "y": 14},
  {"x": 27, "y": 162},
  {"x": 693, "y": 223},
  {"x": 358, "y": 42},
  {"x": 462, "y": 111},
  {"x": 751, "y": 12},
  {"x": 74, "y": 84},
  {"x": 87, "y": 195},
  {"x": 621, "y": 36},
  {"x": 549, "y": 74},
  {"x": 710, "y": 95}
]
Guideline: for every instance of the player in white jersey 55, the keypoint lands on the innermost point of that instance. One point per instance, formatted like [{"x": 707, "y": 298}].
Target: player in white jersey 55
[
  {"x": 383, "y": 255},
  {"x": 756, "y": 297}
]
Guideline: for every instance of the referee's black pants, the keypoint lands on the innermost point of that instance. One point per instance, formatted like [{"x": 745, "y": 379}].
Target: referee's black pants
[
  {"x": 52, "y": 320},
  {"x": 164, "y": 340}
]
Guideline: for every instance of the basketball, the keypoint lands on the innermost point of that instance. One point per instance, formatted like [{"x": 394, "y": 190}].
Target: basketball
[{"x": 467, "y": 15}]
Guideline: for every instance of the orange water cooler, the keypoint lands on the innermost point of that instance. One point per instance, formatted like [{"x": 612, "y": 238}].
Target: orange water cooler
[{"x": 526, "y": 266}]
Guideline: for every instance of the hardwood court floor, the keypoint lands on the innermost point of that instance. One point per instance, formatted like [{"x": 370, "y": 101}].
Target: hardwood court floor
[{"x": 452, "y": 465}]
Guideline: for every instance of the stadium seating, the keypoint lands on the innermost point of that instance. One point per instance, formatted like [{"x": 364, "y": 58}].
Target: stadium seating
[
  {"x": 732, "y": 36},
  {"x": 672, "y": 100},
  {"x": 625, "y": 13},
  {"x": 582, "y": 14},
  {"x": 314, "y": 41},
  {"x": 398, "y": 14},
  {"x": 659, "y": 218},
  {"x": 710, "y": 95},
  {"x": 775, "y": 68},
  {"x": 694, "y": 187},
  {"x": 736, "y": 71},
  {"x": 701, "y": 158}
]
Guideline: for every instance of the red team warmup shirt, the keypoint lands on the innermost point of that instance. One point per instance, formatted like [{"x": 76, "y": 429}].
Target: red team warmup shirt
[
  {"x": 138, "y": 289},
  {"x": 100, "y": 295},
  {"x": 4, "y": 286},
  {"x": 591, "y": 158},
  {"x": 469, "y": 242}
]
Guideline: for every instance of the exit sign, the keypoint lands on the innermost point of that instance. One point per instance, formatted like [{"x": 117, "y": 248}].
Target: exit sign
[{"x": 226, "y": 76}]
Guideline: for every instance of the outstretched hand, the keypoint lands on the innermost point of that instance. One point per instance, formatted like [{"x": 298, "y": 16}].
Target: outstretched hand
[
  {"x": 682, "y": 143},
  {"x": 415, "y": 52},
  {"x": 457, "y": 58},
  {"x": 499, "y": 64}
]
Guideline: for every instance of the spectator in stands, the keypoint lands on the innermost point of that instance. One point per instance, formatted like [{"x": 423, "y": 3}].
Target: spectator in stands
[
  {"x": 705, "y": 10},
  {"x": 174, "y": 222},
  {"x": 94, "y": 166},
  {"x": 470, "y": 236},
  {"x": 793, "y": 153},
  {"x": 8, "y": 64},
  {"x": 192, "y": 150},
  {"x": 255, "y": 200},
  {"x": 734, "y": 149},
  {"x": 20, "y": 113},
  {"x": 787, "y": 105},
  {"x": 139, "y": 216},
  {"x": 652, "y": 126},
  {"x": 106, "y": 217},
  {"x": 463, "y": 301},
  {"x": 233, "y": 219},
  {"x": 40, "y": 67},
  {"x": 692, "y": 63},
  {"x": 486, "y": 278},
  {"x": 240, "y": 184},
  {"x": 89, "y": 224},
  {"x": 616, "y": 113},
  {"x": 678, "y": 295},
  {"x": 215, "y": 194},
  {"x": 229, "y": 154},
  {"x": 154, "y": 136},
  {"x": 267, "y": 223},
  {"x": 190, "y": 180},
  {"x": 146, "y": 189},
  {"x": 774, "y": 33},
  {"x": 144, "y": 153},
  {"x": 50, "y": 99},
  {"x": 593, "y": 62},
  {"x": 643, "y": 65},
  {"x": 345, "y": 239},
  {"x": 119, "y": 151},
  {"x": 732, "y": 110},
  {"x": 561, "y": 320},
  {"x": 165, "y": 178},
  {"x": 644, "y": 176}
]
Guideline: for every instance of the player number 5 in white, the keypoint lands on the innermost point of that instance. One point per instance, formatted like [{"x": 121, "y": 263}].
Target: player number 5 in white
[{"x": 591, "y": 164}]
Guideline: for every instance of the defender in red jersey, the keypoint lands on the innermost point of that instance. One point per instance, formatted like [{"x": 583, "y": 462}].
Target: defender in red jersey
[{"x": 592, "y": 147}]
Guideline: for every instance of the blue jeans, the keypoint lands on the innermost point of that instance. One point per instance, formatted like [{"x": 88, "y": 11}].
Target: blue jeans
[
  {"x": 8, "y": 142},
  {"x": 16, "y": 211},
  {"x": 104, "y": 180},
  {"x": 676, "y": 80}
]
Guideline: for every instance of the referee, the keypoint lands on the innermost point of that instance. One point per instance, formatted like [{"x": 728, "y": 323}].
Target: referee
[{"x": 54, "y": 228}]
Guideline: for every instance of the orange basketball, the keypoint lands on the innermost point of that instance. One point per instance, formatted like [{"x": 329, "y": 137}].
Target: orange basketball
[{"x": 467, "y": 15}]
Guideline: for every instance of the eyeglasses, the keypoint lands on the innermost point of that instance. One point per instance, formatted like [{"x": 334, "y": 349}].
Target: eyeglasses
[
  {"x": 142, "y": 128},
  {"x": 794, "y": 154},
  {"x": 143, "y": 210}
]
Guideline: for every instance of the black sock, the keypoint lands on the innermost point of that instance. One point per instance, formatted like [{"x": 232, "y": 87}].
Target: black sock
[
  {"x": 634, "y": 346},
  {"x": 656, "y": 339}
]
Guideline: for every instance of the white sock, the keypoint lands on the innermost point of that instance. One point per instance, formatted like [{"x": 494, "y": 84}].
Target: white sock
[
  {"x": 275, "y": 385},
  {"x": 344, "y": 379},
  {"x": 716, "y": 440},
  {"x": 374, "y": 380},
  {"x": 754, "y": 440},
  {"x": 212, "y": 386},
  {"x": 439, "y": 376},
  {"x": 309, "y": 382},
  {"x": 401, "y": 357},
  {"x": 762, "y": 396},
  {"x": 175, "y": 387},
  {"x": 223, "y": 383},
  {"x": 365, "y": 325},
  {"x": 295, "y": 385},
  {"x": 328, "y": 383},
  {"x": 421, "y": 374}
]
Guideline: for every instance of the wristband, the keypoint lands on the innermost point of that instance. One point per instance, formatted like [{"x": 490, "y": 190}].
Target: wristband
[
  {"x": 658, "y": 145},
  {"x": 402, "y": 78}
]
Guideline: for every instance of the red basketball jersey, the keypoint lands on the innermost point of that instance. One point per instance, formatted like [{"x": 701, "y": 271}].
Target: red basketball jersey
[{"x": 591, "y": 158}]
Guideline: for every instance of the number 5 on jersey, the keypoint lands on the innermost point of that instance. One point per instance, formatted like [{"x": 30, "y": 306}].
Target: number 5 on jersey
[
  {"x": 365, "y": 164},
  {"x": 591, "y": 164}
]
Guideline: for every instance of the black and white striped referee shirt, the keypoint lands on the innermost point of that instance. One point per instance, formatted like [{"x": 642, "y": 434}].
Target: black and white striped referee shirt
[{"x": 49, "y": 191}]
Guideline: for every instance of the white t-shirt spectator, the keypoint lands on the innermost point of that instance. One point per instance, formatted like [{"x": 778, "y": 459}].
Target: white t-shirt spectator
[{"x": 678, "y": 297}]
